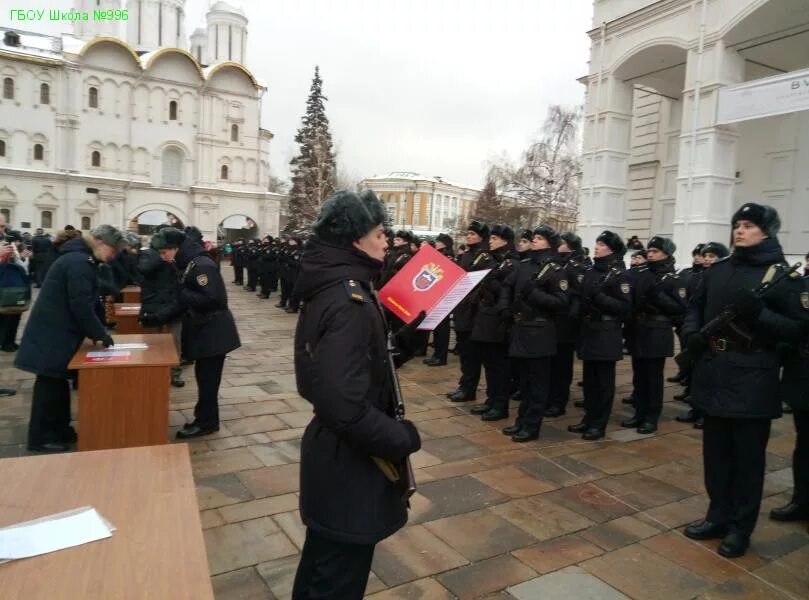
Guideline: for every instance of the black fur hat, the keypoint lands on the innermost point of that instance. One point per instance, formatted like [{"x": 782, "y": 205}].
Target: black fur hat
[
  {"x": 504, "y": 232},
  {"x": 697, "y": 250},
  {"x": 405, "y": 235},
  {"x": 639, "y": 253},
  {"x": 550, "y": 234},
  {"x": 345, "y": 217},
  {"x": 193, "y": 233},
  {"x": 715, "y": 248},
  {"x": 526, "y": 234},
  {"x": 766, "y": 217},
  {"x": 168, "y": 237},
  {"x": 445, "y": 239},
  {"x": 665, "y": 245},
  {"x": 572, "y": 241},
  {"x": 613, "y": 242},
  {"x": 480, "y": 228}
]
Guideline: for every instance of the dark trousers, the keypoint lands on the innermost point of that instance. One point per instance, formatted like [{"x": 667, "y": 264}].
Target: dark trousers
[
  {"x": 238, "y": 275},
  {"x": 561, "y": 376},
  {"x": 441, "y": 340},
  {"x": 50, "y": 411},
  {"x": 599, "y": 392},
  {"x": 9, "y": 324},
  {"x": 734, "y": 454},
  {"x": 252, "y": 279},
  {"x": 635, "y": 378},
  {"x": 800, "y": 458},
  {"x": 332, "y": 570},
  {"x": 470, "y": 362},
  {"x": 495, "y": 364},
  {"x": 535, "y": 378},
  {"x": 649, "y": 390},
  {"x": 208, "y": 372},
  {"x": 268, "y": 281},
  {"x": 286, "y": 290}
]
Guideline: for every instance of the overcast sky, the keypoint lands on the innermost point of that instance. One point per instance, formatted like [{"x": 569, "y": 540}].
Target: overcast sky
[{"x": 439, "y": 87}]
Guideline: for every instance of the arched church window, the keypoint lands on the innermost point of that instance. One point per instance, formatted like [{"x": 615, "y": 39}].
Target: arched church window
[
  {"x": 46, "y": 219},
  {"x": 95, "y": 159},
  {"x": 234, "y": 133},
  {"x": 93, "y": 97},
  {"x": 223, "y": 172},
  {"x": 8, "y": 88},
  {"x": 39, "y": 152},
  {"x": 86, "y": 224},
  {"x": 44, "y": 94},
  {"x": 173, "y": 110}
]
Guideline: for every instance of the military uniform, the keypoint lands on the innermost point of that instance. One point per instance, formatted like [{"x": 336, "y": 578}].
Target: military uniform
[
  {"x": 251, "y": 263},
  {"x": 238, "y": 262},
  {"x": 476, "y": 258},
  {"x": 606, "y": 297},
  {"x": 490, "y": 336},
  {"x": 267, "y": 265},
  {"x": 534, "y": 293},
  {"x": 442, "y": 330},
  {"x": 660, "y": 303}
]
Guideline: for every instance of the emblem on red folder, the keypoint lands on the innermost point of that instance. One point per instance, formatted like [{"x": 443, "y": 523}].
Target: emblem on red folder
[{"x": 427, "y": 277}]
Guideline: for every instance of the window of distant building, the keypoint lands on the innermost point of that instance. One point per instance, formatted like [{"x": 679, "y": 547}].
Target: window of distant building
[
  {"x": 93, "y": 97},
  {"x": 8, "y": 88},
  {"x": 86, "y": 224},
  {"x": 6, "y": 213},
  {"x": 39, "y": 152},
  {"x": 234, "y": 133},
  {"x": 46, "y": 219},
  {"x": 95, "y": 159},
  {"x": 172, "y": 166},
  {"x": 173, "y": 110},
  {"x": 223, "y": 172},
  {"x": 44, "y": 94},
  {"x": 2, "y": 148}
]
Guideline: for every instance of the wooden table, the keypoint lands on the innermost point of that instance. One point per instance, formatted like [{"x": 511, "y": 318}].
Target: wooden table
[
  {"x": 125, "y": 404},
  {"x": 131, "y": 294},
  {"x": 126, "y": 319},
  {"x": 148, "y": 494}
]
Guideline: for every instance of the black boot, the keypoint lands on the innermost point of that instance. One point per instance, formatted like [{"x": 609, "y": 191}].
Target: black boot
[
  {"x": 593, "y": 434},
  {"x": 524, "y": 436},
  {"x": 690, "y": 417},
  {"x": 494, "y": 415},
  {"x": 480, "y": 409},
  {"x": 434, "y": 362},
  {"x": 631, "y": 423},
  {"x": 790, "y": 512},
  {"x": 705, "y": 530},
  {"x": 734, "y": 545},
  {"x": 579, "y": 428},
  {"x": 461, "y": 396},
  {"x": 647, "y": 428},
  {"x": 579, "y": 404},
  {"x": 511, "y": 430}
]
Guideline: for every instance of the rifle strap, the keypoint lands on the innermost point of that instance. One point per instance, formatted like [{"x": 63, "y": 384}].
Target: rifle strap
[{"x": 770, "y": 274}]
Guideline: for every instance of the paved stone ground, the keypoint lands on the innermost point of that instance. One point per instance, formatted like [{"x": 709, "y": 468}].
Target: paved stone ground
[{"x": 552, "y": 519}]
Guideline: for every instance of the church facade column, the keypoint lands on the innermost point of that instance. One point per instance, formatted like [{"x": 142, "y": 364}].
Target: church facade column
[{"x": 707, "y": 168}]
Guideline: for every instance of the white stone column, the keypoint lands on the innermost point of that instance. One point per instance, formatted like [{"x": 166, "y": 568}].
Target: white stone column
[
  {"x": 707, "y": 169},
  {"x": 607, "y": 128}
]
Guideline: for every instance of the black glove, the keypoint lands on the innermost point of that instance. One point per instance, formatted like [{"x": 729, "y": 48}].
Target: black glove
[
  {"x": 106, "y": 341},
  {"x": 748, "y": 305},
  {"x": 149, "y": 320},
  {"x": 506, "y": 314},
  {"x": 413, "y": 433},
  {"x": 696, "y": 343}
]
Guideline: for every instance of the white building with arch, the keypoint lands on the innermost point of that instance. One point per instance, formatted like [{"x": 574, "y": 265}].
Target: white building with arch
[
  {"x": 96, "y": 128},
  {"x": 694, "y": 107}
]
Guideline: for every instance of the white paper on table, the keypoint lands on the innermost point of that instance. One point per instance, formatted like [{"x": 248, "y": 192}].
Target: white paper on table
[
  {"x": 108, "y": 353},
  {"x": 448, "y": 303},
  {"x": 134, "y": 346},
  {"x": 52, "y": 533}
]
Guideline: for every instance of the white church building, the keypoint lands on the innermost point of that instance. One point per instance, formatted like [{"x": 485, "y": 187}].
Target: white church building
[
  {"x": 694, "y": 107},
  {"x": 122, "y": 121}
]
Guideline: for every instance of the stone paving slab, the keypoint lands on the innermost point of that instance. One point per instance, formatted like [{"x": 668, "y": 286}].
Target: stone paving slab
[{"x": 555, "y": 518}]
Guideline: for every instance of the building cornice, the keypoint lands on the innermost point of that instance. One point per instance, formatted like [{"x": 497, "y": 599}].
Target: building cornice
[{"x": 641, "y": 16}]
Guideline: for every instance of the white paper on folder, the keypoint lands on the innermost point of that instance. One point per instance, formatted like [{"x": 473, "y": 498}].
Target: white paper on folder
[
  {"x": 448, "y": 303},
  {"x": 55, "y": 532},
  {"x": 134, "y": 346}
]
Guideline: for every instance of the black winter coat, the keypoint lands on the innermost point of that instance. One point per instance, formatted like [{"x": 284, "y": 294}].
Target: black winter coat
[
  {"x": 568, "y": 322},
  {"x": 489, "y": 326},
  {"x": 606, "y": 296},
  {"x": 476, "y": 258},
  {"x": 395, "y": 261},
  {"x": 661, "y": 301},
  {"x": 208, "y": 325},
  {"x": 795, "y": 376},
  {"x": 341, "y": 368},
  {"x": 238, "y": 259},
  {"x": 535, "y": 293},
  {"x": 63, "y": 315},
  {"x": 740, "y": 384},
  {"x": 159, "y": 289}
]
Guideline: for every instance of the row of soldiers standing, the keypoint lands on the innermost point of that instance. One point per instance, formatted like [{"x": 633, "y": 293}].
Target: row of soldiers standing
[{"x": 268, "y": 263}]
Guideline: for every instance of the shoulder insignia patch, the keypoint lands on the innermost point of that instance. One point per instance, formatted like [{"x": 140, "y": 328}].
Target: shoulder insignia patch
[
  {"x": 355, "y": 291},
  {"x": 682, "y": 292},
  {"x": 563, "y": 285},
  {"x": 202, "y": 279},
  {"x": 625, "y": 288},
  {"x": 805, "y": 300}
]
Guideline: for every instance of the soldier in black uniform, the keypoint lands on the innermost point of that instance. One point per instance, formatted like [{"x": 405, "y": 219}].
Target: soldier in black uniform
[
  {"x": 490, "y": 331},
  {"x": 238, "y": 261},
  {"x": 570, "y": 256},
  {"x": 251, "y": 264},
  {"x": 475, "y": 258},
  {"x": 524, "y": 243},
  {"x": 606, "y": 297},
  {"x": 290, "y": 261},
  {"x": 736, "y": 377},
  {"x": 209, "y": 332},
  {"x": 660, "y": 302},
  {"x": 690, "y": 277},
  {"x": 711, "y": 252},
  {"x": 265, "y": 265},
  {"x": 795, "y": 392},
  {"x": 398, "y": 256},
  {"x": 533, "y": 295},
  {"x": 636, "y": 263},
  {"x": 443, "y": 243}
]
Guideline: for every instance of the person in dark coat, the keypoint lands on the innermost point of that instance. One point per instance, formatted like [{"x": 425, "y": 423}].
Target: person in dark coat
[
  {"x": 252, "y": 254},
  {"x": 533, "y": 295},
  {"x": 736, "y": 377},
  {"x": 444, "y": 244},
  {"x": 267, "y": 267},
  {"x": 398, "y": 256},
  {"x": 292, "y": 267},
  {"x": 660, "y": 303},
  {"x": 346, "y": 502},
  {"x": 62, "y": 317},
  {"x": 795, "y": 393},
  {"x": 209, "y": 331},
  {"x": 160, "y": 289},
  {"x": 41, "y": 247},
  {"x": 569, "y": 255},
  {"x": 490, "y": 331},
  {"x": 690, "y": 277},
  {"x": 606, "y": 297},
  {"x": 238, "y": 261},
  {"x": 475, "y": 258}
]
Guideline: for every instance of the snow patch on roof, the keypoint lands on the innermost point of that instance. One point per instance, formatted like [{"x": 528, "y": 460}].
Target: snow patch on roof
[
  {"x": 33, "y": 44},
  {"x": 412, "y": 176}
]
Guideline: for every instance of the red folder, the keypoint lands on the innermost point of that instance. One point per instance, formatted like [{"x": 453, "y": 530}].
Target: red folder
[{"x": 429, "y": 282}]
